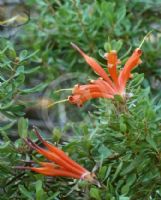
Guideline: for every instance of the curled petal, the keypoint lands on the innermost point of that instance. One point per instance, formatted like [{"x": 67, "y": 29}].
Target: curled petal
[
  {"x": 104, "y": 86},
  {"x": 49, "y": 171},
  {"x": 79, "y": 100},
  {"x": 49, "y": 165},
  {"x": 81, "y": 89},
  {"x": 55, "y": 158},
  {"x": 94, "y": 65},
  {"x": 60, "y": 153},
  {"x": 98, "y": 85},
  {"x": 75, "y": 99},
  {"x": 97, "y": 89},
  {"x": 132, "y": 62},
  {"x": 94, "y": 95},
  {"x": 112, "y": 65}
]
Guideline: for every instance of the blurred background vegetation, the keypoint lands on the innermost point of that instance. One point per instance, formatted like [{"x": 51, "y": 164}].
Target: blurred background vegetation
[{"x": 36, "y": 59}]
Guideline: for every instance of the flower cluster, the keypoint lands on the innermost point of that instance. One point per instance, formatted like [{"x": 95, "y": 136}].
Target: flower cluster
[
  {"x": 60, "y": 165},
  {"x": 107, "y": 86}
]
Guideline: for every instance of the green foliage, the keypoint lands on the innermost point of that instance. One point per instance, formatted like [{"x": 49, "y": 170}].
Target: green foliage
[
  {"x": 118, "y": 139},
  {"x": 89, "y": 24},
  {"x": 12, "y": 77}
]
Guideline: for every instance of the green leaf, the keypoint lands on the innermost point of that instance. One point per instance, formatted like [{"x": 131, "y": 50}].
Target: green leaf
[
  {"x": 113, "y": 45},
  {"x": 116, "y": 45},
  {"x": 94, "y": 193},
  {"x": 37, "y": 88},
  {"x": 26, "y": 193},
  {"x": 123, "y": 198},
  {"x": 8, "y": 126},
  {"x": 32, "y": 70},
  {"x": 123, "y": 127},
  {"x": 120, "y": 13},
  {"x": 11, "y": 53},
  {"x": 152, "y": 143},
  {"x": 107, "y": 47},
  {"x": 132, "y": 165},
  {"x": 131, "y": 179},
  {"x": 5, "y": 145},
  {"x": 19, "y": 70},
  {"x": 23, "y": 55},
  {"x": 53, "y": 197},
  {"x": 104, "y": 152},
  {"x": 125, "y": 189},
  {"x": 39, "y": 190},
  {"x": 22, "y": 127},
  {"x": 117, "y": 171}
]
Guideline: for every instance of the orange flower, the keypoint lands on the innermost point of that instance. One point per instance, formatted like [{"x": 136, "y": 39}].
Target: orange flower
[
  {"x": 60, "y": 165},
  {"x": 107, "y": 86}
]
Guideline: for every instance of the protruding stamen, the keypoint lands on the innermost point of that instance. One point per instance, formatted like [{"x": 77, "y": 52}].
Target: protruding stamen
[
  {"x": 57, "y": 102},
  {"x": 145, "y": 37},
  {"x": 65, "y": 89}
]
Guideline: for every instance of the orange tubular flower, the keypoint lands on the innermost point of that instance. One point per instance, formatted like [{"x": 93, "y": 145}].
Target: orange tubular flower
[
  {"x": 61, "y": 164},
  {"x": 107, "y": 86}
]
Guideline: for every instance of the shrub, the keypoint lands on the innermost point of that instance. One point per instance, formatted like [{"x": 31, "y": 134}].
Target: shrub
[{"x": 119, "y": 140}]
